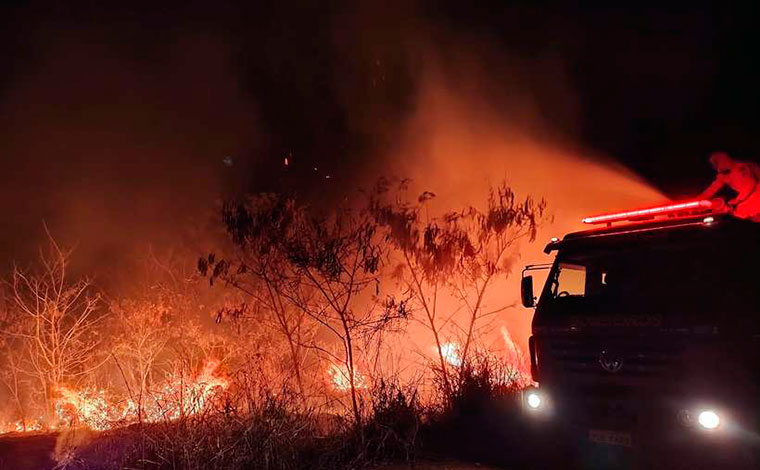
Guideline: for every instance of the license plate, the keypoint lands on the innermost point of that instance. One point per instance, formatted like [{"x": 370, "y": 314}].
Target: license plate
[{"x": 614, "y": 438}]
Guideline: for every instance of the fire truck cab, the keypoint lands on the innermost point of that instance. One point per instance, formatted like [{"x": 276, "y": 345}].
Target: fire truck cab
[{"x": 646, "y": 335}]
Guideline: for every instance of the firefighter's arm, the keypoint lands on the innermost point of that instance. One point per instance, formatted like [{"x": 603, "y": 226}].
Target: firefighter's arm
[{"x": 713, "y": 189}]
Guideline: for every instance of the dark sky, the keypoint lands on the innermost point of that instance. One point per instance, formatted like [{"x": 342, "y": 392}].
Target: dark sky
[{"x": 97, "y": 101}]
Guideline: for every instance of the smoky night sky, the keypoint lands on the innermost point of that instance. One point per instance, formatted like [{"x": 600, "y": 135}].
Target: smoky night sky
[{"x": 121, "y": 127}]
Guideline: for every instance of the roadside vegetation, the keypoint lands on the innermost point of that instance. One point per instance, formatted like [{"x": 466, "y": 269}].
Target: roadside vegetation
[
  {"x": 479, "y": 421},
  {"x": 286, "y": 345}
]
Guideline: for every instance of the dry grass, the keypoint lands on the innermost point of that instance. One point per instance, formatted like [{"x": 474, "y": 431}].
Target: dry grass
[{"x": 249, "y": 426}]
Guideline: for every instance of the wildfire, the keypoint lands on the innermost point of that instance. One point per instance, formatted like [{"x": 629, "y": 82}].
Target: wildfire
[
  {"x": 97, "y": 410},
  {"x": 87, "y": 407},
  {"x": 515, "y": 357},
  {"x": 21, "y": 426},
  {"x": 339, "y": 378},
  {"x": 450, "y": 353},
  {"x": 179, "y": 398}
]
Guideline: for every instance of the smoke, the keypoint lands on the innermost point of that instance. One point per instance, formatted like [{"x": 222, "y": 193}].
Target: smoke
[
  {"x": 118, "y": 149},
  {"x": 457, "y": 148},
  {"x": 480, "y": 116},
  {"x": 122, "y": 147},
  {"x": 118, "y": 137}
]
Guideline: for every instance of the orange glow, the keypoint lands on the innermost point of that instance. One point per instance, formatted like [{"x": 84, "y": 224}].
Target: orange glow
[
  {"x": 21, "y": 426},
  {"x": 658, "y": 210},
  {"x": 450, "y": 353},
  {"x": 455, "y": 144},
  {"x": 459, "y": 142},
  {"x": 339, "y": 378},
  {"x": 181, "y": 397},
  {"x": 86, "y": 407},
  {"x": 178, "y": 396},
  {"x": 516, "y": 359}
]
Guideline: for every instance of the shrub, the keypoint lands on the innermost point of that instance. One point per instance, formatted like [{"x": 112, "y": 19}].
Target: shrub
[
  {"x": 391, "y": 429},
  {"x": 478, "y": 417}
]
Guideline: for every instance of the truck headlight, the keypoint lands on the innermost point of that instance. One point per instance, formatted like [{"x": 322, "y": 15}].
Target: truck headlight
[
  {"x": 708, "y": 419},
  {"x": 533, "y": 400}
]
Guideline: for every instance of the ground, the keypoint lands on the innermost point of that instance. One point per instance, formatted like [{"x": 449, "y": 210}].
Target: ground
[
  {"x": 35, "y": 452},
  {"x": 438, "y": 465},
  {"x": 28, "y": 452}
]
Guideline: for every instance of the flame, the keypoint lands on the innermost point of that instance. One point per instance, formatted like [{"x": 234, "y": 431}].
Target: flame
[
  {"x": 516, "y": 359},
  {"x": 177, "y": 397},
  {"x": 21, "y": 426},
  {"x": 339, "y": 378},
  {"x": 450, "y": 353},
  {"x": 86, "y": 407}
]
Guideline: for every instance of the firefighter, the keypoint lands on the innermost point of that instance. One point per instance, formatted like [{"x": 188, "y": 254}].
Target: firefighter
[{"x": 743, "y": 178}]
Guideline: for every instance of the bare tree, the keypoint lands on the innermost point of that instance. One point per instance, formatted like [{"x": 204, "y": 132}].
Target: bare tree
[
  {"x": 331, "y": 265},
  {"x": 261, "y": 270},
  {"x": 489, "y": 238},
  {"x": 57, "y": 321},
  {"x": 460, "y": 252},
  {"x": 339, "y": 258},
  {"x": 11, "y": 369},
  {"x": 428, "y": 254},
  {"x": 12, "y": 376},
  {"x": 142, "y": 333}
]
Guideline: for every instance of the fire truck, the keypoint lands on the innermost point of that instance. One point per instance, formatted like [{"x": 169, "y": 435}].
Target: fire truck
[{"x": 646, "y": 336}]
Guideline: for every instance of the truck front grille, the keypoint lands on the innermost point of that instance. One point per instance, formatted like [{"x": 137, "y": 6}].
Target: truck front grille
[{"x": 640, "y": 359}]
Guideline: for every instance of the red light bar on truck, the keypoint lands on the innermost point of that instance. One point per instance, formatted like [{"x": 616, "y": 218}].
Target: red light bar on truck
[{"x": 650, "y": 212}]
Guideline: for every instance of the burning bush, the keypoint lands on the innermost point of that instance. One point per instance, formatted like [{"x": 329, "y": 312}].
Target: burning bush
[{"x": 53, "y": 331}]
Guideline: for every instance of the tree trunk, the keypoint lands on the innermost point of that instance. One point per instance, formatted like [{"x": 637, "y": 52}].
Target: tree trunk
[{"x": 351, "y": 379}]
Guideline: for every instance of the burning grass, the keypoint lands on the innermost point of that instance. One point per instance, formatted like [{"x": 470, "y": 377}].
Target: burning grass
[
  {"x": 248, "y": 425},
  {"x": 240, "y": 421},
  {"x": 176, "y": 397},
  {"x": 277, "y": 355}
]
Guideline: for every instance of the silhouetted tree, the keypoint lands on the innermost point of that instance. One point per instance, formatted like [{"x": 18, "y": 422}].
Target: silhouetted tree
[
  {"x": 459, "y": 252},
  {"x": 326, "y": 265},
  {"x": 262, "y": 271}
]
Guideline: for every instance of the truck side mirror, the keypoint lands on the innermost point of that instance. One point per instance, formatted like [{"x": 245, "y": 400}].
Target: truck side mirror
[{"x": 526, "y": 292}]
